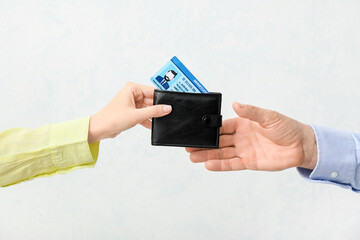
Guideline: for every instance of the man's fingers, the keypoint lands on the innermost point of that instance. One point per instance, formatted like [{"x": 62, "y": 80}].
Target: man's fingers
[
  {"x": 228, "y": 126},
  {"x": 225, "y": 164},
  {"x": 205, "y": 155},
  {"x": 190, "y": 149},
  {"x": 226, "y": 141},
  {"x": 264, "y": 117},
  {"x": 152, "y": 111}
]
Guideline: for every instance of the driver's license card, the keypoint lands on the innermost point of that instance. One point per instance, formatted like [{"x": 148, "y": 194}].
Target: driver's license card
[{"x": 174, "y": 76}]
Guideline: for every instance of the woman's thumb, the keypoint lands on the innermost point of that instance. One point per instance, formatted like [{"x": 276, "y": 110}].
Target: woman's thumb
[{"x": 153, "y": 111}]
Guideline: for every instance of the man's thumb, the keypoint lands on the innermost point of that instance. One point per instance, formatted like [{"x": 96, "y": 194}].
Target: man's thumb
[
  {"x": 153, "y": 111},
  {"x": 264, "y": 117}
]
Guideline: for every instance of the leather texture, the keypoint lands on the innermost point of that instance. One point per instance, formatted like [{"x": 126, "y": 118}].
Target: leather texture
[{"x": 195, "y": 120}]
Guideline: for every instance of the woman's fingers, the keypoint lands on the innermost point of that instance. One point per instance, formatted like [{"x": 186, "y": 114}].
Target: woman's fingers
[
  {"x": 147, "y": 91},
  {"x": 225, "y": 164},
  {"x": 148, "y": 101},
  {"x": 140, "y": 91},
  {"x": 147, "y": 124},
  {"x": 153, "y": 111}
]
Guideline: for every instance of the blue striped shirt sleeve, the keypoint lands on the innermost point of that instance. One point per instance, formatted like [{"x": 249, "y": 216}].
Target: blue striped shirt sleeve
[{"x": 338, "y": 158}]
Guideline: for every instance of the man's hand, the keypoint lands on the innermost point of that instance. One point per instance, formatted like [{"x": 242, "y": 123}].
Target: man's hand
[
  {"x": 260, "y": 139},
  {"x": 131, "y": 106}
]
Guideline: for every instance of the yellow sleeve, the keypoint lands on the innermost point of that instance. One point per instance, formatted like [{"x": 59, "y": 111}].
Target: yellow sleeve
[{"x": 45, "y": 151}]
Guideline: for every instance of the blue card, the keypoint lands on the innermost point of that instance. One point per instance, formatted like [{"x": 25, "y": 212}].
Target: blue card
[{"x": 174, "y": 76}]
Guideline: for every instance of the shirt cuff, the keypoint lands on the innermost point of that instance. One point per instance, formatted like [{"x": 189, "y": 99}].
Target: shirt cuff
[
  {"x": 337, "y": 158},
  {"x": 46, "y": 151},
  {"x": 69, "y": 149},
  {"x": 69, "y": 146}
]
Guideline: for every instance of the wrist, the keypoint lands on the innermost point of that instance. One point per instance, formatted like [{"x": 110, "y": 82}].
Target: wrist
[
  {"x": 309, "y": 148},
  {"x": 98, "y": 128}
]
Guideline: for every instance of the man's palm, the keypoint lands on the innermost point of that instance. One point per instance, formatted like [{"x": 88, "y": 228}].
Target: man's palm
[{"x": 258, "y": 139}]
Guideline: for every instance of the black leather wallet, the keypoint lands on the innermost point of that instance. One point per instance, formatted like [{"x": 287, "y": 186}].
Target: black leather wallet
[{"x": 194, "y": 121}]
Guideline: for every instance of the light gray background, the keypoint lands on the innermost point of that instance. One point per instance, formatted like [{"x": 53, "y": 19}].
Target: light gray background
[{"x": 61, "y": 60}]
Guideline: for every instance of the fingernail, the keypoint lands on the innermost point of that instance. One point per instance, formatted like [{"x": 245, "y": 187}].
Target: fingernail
[{"x": 167, "y": 108}]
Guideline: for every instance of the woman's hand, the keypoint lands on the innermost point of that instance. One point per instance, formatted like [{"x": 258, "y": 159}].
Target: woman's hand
[
  {"x": 131, "y": 106},
  {"x": 260, "y": 139}
]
